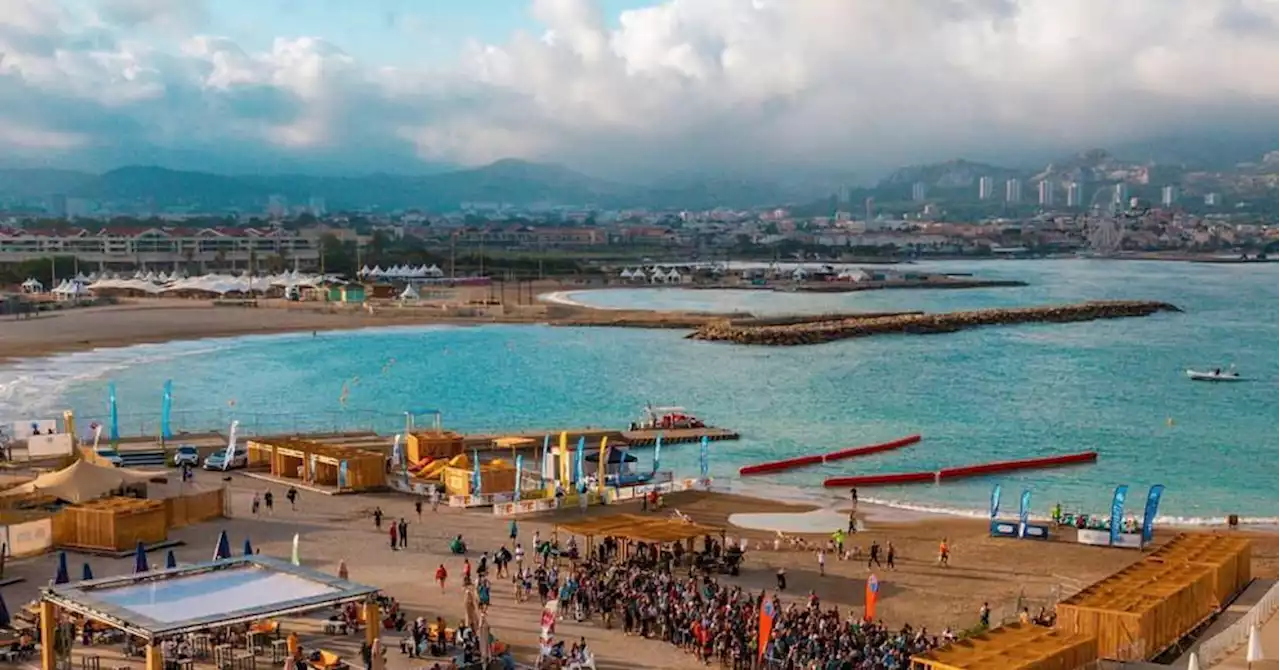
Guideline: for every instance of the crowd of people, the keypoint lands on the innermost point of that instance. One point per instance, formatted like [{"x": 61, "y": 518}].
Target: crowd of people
[{"x": 649, "y": 597}]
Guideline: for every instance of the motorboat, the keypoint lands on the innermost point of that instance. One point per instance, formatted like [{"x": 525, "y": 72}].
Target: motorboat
[
  {"x": 1218, "y": 375},
  {"x": 666, "y": 418}
]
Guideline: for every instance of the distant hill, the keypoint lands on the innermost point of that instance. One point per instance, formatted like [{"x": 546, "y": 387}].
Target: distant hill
[
  {"x": 958, "y": 173},
  {"x": 511, "y": 182}
]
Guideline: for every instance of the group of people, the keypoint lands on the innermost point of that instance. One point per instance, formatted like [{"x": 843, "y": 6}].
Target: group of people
[{"x": 721, "y": 623}]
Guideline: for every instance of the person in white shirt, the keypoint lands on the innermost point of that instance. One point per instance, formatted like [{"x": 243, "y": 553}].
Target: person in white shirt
[{"x": 822, "y": 563}]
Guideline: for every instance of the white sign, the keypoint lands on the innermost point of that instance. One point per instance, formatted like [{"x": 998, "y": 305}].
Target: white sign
[
  {"x": 47, "y": 446},
  {"x": 1102, "y": 538},
  {"x": 23, "y": 430}
]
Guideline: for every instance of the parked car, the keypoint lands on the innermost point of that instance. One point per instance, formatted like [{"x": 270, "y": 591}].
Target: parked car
[
  {"x": 217, "y": 460},
  {"x": 186, "y": 454}
]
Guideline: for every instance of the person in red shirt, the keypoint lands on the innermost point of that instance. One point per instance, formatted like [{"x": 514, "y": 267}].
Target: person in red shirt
[
  {"x": 441, "y": 576},
  {"x": 395, "y": 539}
]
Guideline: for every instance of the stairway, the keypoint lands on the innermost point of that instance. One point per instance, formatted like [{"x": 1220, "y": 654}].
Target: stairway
[{"x": 134, "y": 458}]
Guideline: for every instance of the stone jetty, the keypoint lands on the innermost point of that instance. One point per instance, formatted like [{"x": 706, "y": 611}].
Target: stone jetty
[{"x": 820, "y": 329}]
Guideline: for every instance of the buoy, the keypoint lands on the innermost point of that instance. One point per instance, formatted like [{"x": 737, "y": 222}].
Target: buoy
[{"x": 1168, "y": 421}]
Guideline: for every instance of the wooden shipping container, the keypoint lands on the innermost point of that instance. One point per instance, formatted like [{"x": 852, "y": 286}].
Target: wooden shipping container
[
  {"x": 1230, "y": 558},
  {"x": 1140, "y": 611},
  {"x": 1013, "y": 647},
  {"x": 111, "y": 524}
]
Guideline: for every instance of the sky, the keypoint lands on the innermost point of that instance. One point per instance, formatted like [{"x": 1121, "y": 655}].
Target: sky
[{"x": 632, "y": 89}]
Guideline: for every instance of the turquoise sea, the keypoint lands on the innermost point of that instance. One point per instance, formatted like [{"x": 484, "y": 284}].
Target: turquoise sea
[{"x": 1117, "y": 387}]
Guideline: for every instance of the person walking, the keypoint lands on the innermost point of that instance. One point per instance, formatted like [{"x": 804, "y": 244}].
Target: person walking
[
  {"x": 822, "y": 563},
  {"x": 874, "y": 555},
  {"x": 889, "y": 555},
  {"x": 292, "y": 496},
  {"x": 377, "y": 518},
  {"x": 404, "y": 533},
  {"x": 269, "y": 500},
  {"x": 944, "y": 553},
  {"x": 441, "y": 576},
  {"x": 257, "y": 502},
  {"x": 513, "y": 530},
  {"x": 782, "y": 579},
  {"x": 417, "y": 507},
  {"x": 435, "y": 499}
]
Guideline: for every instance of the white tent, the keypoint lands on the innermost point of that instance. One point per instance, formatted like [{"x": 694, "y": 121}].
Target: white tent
[
  {"x": 364, "y": 271},
  {"x": 409, "y": 294},
  {"x": 853, "y": 275},
  {"x": 32, "y": 285},
  {"x": 434, "y": 271},
  {"x": 674, "y": 276},
  {"x": 626, "y": 273}
]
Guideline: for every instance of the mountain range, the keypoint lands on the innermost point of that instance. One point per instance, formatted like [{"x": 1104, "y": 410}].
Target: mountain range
[{"x": 510, "y": 182}]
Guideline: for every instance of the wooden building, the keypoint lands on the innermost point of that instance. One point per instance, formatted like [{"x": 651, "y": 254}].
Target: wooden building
[
  {"x": 1013, "y": 647},
  {"x": 343, "y": 468},
  {"x": 496, "y": 476},
  {"x": 1229, "y": 557},
  {"x": 1140, "y": 611},
  {"x": 111, "y": 524},
  {"x": 433, "y": 444}
]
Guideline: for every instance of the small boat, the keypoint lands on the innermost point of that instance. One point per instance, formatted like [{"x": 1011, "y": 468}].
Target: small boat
[{"x": 1218, "y": 375}]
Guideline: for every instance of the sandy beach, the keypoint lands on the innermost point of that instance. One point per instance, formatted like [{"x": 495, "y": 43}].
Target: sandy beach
[
  {"x": 1001, "y": 572},
  {"x": 1007, "y": 574}
]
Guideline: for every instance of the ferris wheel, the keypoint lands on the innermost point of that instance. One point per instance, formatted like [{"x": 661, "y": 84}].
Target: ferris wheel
[{"x": 1105, "y": 233}]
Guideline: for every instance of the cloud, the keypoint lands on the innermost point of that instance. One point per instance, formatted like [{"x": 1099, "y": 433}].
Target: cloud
[{"x": 754, "y": 86}]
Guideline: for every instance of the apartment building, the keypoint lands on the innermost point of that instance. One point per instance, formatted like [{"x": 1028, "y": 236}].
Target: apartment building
[{"x": 121, "y": 248}]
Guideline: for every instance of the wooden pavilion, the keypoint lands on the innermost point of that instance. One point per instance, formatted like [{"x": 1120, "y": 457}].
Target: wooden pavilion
[
  {"x": 635, "y": 528},
  {"x": 344, "y": 468},
  {"x": 1014, "y": 647}
]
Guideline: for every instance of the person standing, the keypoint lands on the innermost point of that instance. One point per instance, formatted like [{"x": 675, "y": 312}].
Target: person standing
[
  {"x": 513, "y": 530},
  {"x": 377, "y": 518},
  {"x": 874, "y": 555},
  {"x": 269, "y": 500},
  {"x": 435, "y": 499},
  {"x": 822, "y": 563},
  {"x": 292, "y": 496},
  {"x": 782, "y": 579},
  {"x": 395, "y": 543},
  {"x": 944, "y": 553},
  {"x": 257, "y": 502},
  {"x": 441, "y": 576},
  {"x": 889, "y": 557},
  {"x": 404, "y": 533},
  {"x": 417, "y": 507}
]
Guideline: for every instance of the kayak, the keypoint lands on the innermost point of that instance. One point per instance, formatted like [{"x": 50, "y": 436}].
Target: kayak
[{"x": 1212, "y": 376}]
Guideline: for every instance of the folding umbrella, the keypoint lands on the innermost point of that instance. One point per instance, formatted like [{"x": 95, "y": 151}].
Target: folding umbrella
[
  {"x": 140, "y": 559},
  {"x": 87, "y": 574},
  {"x": 61, "y": 576},
  {"x": 223, "y": 550},
  {"x": 170, "y": 561},
  {"x": 248, "y": 547},
  {"x": 4, "y": 614}
]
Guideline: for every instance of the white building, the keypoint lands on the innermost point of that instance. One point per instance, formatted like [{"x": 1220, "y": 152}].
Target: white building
[
  {"x": 1073, "y": 194},
  {"x": 919, "y": 191},
  {"x": 164, "y": 247},
  {"x": 1046, "y": 193},
  {"x": 1013, "y": 191},
  {"x": 1169, "y": 196},
  {"x": 986, "y": 188}
]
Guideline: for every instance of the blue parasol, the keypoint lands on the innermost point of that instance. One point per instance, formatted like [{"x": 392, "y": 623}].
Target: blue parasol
[
  {"x": 223, "y": 550},
  {"x": 140, "y": 559},
  {"x": 87, "y": 573},
  {"x": 248, "y": 547},
  {"x": 170, "y": 561},
  {"x": 61, "y": 576}
]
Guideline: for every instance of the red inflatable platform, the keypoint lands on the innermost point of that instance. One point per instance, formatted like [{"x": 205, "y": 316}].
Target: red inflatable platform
[
  {"x": 814, "y": 459},
  {"x": 964, "y": 471}
]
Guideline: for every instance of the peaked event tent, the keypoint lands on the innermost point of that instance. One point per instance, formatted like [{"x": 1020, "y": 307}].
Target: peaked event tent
[{"x": 80, "y": 482}]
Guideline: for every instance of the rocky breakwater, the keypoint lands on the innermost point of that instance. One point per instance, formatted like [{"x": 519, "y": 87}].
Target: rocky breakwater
[{"x": 826, "y": 329}]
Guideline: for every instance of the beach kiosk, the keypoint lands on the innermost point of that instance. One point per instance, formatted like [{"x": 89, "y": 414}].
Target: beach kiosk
[
  {"x": 153, "y": 606},
  {"x": 342, "y": 468}
]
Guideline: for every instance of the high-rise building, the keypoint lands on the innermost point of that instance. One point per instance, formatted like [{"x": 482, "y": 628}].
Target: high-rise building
[
  {"x": 1073, "y": 194},
  {"x": 1211, "y": 200},
  {"x": 842, "y": 195},
  {"x": 57, "y": 206},
  {"x": 870, "y": 210},
  {"x": 1120, "y": 194},
  {"x": 1013, "y": 191},
  {"x": 1046, "y": 193},
  {"x": 919, "y": 191},
  {"x": 316, "y": 206},
  {"x": 986, "y": 188},
  {"x": 1169, "y": 196}
]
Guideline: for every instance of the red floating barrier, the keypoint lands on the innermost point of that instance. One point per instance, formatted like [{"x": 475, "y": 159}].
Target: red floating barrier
[
  {"x": 963, "y": 471},
  {"x": 814, "y": 459}
]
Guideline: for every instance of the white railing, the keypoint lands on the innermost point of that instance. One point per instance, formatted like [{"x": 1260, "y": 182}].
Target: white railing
[{"x": 1217, "y": 648}]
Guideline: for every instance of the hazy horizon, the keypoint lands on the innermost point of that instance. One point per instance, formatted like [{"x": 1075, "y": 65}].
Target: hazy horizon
[{"x": 626, "y": 89}]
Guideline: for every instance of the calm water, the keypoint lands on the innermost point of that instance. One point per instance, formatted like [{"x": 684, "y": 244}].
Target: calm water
[{"x": 997, "y": 393}]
